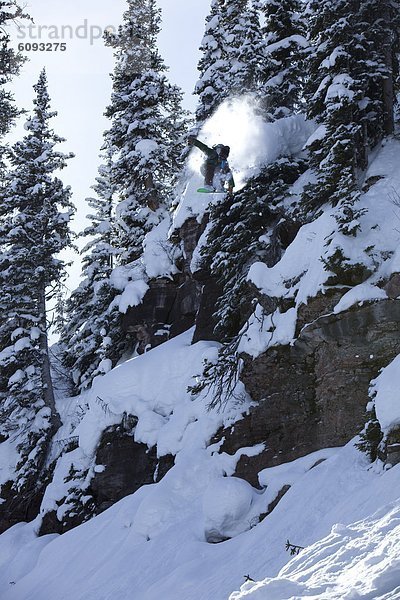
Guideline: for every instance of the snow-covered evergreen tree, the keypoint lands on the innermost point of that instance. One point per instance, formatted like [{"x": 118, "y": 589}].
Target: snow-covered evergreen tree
[
  {"x": 350, "y": 95},
  {"x": 143, "y": 148},
  {"x": 10, "y": 63},
  {"x": 379, "y": 23},
  {"x": 242, "y": 36},
  {"x": 346, "y": 80},
  {"x": 210, "y": 90},
  {"x": 34, "y": 228},
  {"x": 239, "y": 237},
  {"x": 230, "y": 64},
  {"x": 334, "y": 101},
  {"x": 284, "y": 49},
  {"x": 91, "y": 320},
  {"x": 147, "y": 126}
]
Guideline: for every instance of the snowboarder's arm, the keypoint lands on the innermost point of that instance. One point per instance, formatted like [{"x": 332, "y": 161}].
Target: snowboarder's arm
[{"x": 195, "y": 142}]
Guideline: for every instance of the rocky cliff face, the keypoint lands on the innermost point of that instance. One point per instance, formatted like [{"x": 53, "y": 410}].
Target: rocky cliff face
[
  {"x": 313, "y": 394},
  {"x": 172, "y": 306},
  {"x": 122, "y": 467}
]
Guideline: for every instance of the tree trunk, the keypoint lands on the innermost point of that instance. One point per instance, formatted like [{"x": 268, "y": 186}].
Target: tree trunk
[
  {"x": 45, "y": 367},
  {"x": 152, "y": 201},
  {"x": 388, "y": 83}
]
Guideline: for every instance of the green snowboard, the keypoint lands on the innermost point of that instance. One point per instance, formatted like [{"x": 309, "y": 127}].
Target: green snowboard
[{"x": 204, "y": 191}]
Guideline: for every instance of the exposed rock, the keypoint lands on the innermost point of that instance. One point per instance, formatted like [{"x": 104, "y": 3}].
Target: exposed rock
[
  {"x": 276, "y": 501},
  {"x": 392, "y": 288},
  {"x": 125, "y": 466},
  {"x": 170, "y": 306},
  {"x": 122, "y": 467},
  {"x": 392, "y": 448},
  {"x": 318, "y": 306},
  {"x": 190, "y": 233},
  {"x": 19, "y": 507},
  {"x": 51, "y": 524},
  {"x": 313, "y": 394},
  {"x": 205, "y": 320},
  {"x": 146, "y": 320}
]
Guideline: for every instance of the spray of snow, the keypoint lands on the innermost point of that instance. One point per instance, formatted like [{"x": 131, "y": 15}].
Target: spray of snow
[{"x": 254, "y": 143}]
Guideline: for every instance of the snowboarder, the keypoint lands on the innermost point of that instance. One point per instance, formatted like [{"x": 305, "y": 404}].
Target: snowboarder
[{"x": 216, "y": 168}]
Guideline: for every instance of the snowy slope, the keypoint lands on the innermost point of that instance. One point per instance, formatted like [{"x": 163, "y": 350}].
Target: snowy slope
[
  {"x": 357, "y": 561},
  {"x": 153, "y": 544},
  {"x": 110, "y": 556},
  {"x": 153, "y": 387}
]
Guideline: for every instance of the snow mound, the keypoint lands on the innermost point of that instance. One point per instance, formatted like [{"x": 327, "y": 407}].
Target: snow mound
[
  {"x": 386, "y": 389},
  {"x": 132, "y": 295},
  {"x": 158, "y": 253},
  {"x": 153, "y": 387},
  {"x": 230, "y": 507},
  {"x": 365, "y": 292}
]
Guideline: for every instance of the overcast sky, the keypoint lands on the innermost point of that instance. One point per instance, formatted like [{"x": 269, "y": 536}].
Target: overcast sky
[{"x": 79, "y": 81}]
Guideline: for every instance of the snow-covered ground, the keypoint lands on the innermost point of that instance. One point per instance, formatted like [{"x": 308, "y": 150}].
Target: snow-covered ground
[
  {"x": 361, "y": 560},
  {"x": 151, "y": 545},
  {"x": 155, "y": 543}
]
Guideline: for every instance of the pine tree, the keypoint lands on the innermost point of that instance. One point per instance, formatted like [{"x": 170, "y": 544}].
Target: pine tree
[
  {"x": 143, "y": 156},
  {"x": 209, "y": 88},
  {"x": 34, "y": 228},
  {"x": 379, "y": 22},
  {"x": 147, "y": 127},
  {"x": 92, "y": 320},
  {"x": 230, "y": 64},
  {"x": 334, "y": 100},
  {"x": 10, "y": 64},
  {"x": 284, "y": 49},
  {"x": 346, "y": 89},
  {"x": 242, "y": 37},
  {"x": 347, "y": 95},
  {"x": 238, "y": 238}
]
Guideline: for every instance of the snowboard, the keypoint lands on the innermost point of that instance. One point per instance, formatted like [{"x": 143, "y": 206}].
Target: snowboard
[{"x": 204, "y": 191}]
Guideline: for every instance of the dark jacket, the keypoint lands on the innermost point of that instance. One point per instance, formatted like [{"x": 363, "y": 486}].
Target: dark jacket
[{"x": 214, "y": 158}]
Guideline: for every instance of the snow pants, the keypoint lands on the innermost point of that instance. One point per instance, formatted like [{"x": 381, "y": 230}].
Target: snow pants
[{"x": 208, "y": 171}]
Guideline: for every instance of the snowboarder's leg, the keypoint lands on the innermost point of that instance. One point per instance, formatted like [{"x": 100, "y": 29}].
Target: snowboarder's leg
[
  {"x": 219, "y": 181},
  {"x": 209, "y": 170}
]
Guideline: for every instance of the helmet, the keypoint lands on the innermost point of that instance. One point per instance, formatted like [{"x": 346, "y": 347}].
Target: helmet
[{"x": 222, "y": 151}]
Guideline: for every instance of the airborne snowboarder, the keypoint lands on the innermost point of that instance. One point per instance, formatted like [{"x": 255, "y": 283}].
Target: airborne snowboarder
[{"x": 215, "y": 168}]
